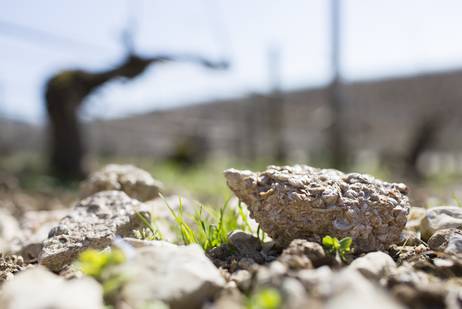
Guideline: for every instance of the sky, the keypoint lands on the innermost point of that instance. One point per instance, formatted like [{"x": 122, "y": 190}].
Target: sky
[{"x": 379, "y": 39}]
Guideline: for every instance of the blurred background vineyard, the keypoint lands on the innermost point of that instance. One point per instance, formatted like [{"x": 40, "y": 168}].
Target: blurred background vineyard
[{"x": 185, "y": 89}]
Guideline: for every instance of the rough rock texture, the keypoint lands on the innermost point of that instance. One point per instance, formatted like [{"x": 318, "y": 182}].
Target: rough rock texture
[
  {"x": 302, "y": 254},
  {"x": 300, "y": 201},
  {"x": 440, "y": 218},
  {"x": 10, "y": 265},
  {"x": 447, "y": 240},
  {"x": 136, "y": 182},
  {"x": 35, "y": 226},
  {"x": 94, "y": 222},
  {"x": 37, "y": 288},
  {"x": 181, "y": 276}
]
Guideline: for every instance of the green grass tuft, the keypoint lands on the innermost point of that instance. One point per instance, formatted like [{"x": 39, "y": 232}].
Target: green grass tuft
[{"x": 207, "y": 226}]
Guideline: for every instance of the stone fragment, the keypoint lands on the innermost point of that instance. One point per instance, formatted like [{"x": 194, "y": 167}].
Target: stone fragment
[
  {"x": 271, "y": 274},
  {"x": 37, "y": 288},
  {"x": 222, "y": 255},
  {"x": 316, "y": 281},
  {"x": 293, "y": 292},
  {"x": 9, "y": 266},
  {"x": 439, "y": 218},
  {"x": 447, "y": 240},
  {"x": 295, "y": 262},
  {"x": 300, "y": 201},
  {"x": 374, "y": 265},
  {"x": 414, "y": 218},
  {"x": 409, "y": 238},
  {"x": 93, "y": 223},
  {"x": 420, "y": 296},
  {"x": 243, "y": 279},
  {"x": 230, "y": 298},
  {"x": 351, "y": 291},
  {"x": 137, "y": 183},
  {"x": 35, "y": 226},
  {"x": 247, "y": 246},
  {"x": 303, "y": 248},
  {"x": 246, "y": 263},
  {"x": 180, "y": 276}
]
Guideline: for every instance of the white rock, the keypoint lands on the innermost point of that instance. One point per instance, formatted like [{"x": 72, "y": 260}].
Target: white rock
[
  {"x": 139, "y": 243},
  {"x": 318, "y": 280},
  {"x": 37, "y": 288},
  {"x": 94, "y": 222},
  {"x": 374, "y": 265},
  {"x": 294, "y": 294},
  {"x": 181, "y": 276},
  {"x": 350, "y": 290},
  {"x": 9, "y": 230},
  {"x": 137, "y": 183},
  {"x": 440, "y": 218}
]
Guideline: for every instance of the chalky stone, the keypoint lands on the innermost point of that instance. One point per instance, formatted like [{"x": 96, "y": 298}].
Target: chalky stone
[
  {"x": 94, "y": 222},
  {"x": 300, "y": 201},
  {"x": 135, "y": 182}
]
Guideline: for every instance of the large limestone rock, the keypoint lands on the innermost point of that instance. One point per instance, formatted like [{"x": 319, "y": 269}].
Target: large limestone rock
[
  {"x": 137, "y": 183},
  {"x": 181, "y": 276},
  {"x": 37, "y": 288},
  {"x": 439, "y": 218},
  {"x": 94, "y": 222},
  {"x": 300, "y": 201}
]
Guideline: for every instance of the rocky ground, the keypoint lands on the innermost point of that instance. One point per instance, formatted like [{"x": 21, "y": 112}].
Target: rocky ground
[{"x": 103, "y": 252}]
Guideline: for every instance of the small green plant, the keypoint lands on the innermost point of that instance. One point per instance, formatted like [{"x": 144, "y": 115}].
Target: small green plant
[
  {"x": 98, "y": 264},
  {"x": 337, "y": 247},
  {"x": 150, "y": 230},
  {"x": 267, "y": 298},
  {"x": 93, "y": 262}
]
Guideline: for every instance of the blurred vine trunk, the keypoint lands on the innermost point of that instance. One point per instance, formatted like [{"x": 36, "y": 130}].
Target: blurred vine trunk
[
  {"x": 64, "y": 95},
  {"x": 337, "y": 143},
  {"x": 66, "y": 91}
]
